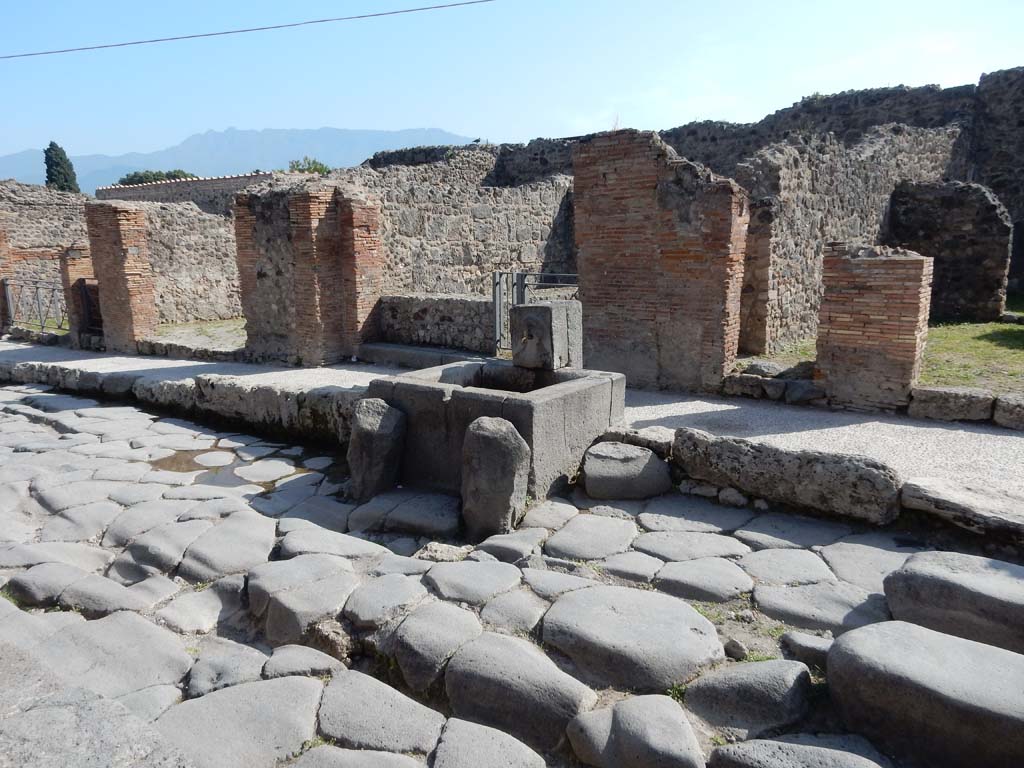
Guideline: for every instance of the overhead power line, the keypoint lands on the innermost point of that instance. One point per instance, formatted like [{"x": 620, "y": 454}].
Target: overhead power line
[{"x": 250, "y": 29}]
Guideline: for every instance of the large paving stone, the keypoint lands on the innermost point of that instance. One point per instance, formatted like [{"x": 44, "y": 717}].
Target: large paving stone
[
  {"x": 472, "y": 582},
  {"x": 599, "y": 629},
  {"x": 551, "y": 514},
  {"x": 622, "y": 471},
  {"x": 834, "y": 606},
  {"x": 317, "y": 541},
  {"x": 265, "y": 470},
  {"x": 362, "y": 712},
  {"x": 517, "y": 612},
  {"x": 639, "y": 732},
  {"x": 426, "y": 514},
  {"x": 714, "y": 579},
  {"x": 142, "y": 517},
  {"x": 675, "y": 512},
  {"x": 512, "y": 547},
  {"x": 632, "y": 566},
  {"x": 42, "y": 584},
  {"x": 379, "y": 600},
  {"x": 469, "y": 745},
  {"x": 96, "y": 596},
  {"x": 551, "y": 584},
  {"x": 747, "y": 699},
  {"x": 591, "y": 537},
  {"x": 255, "y": 725},
  {"x": 982, "y": 510},
  {"x": 839, "y": 484},
  {"x": 223, "y": 664},
  {"x": 428, "y": 638},
  {"x": 291, "y": 612},
  {"x": 687, "y": 545},
  {"x": 83, "y": 556},
  {"x": 782, "y": 531},
  {"x": 62, "y": 497},
  {"x": 202, "y": 611},
  {"x": 509, "y": 684},
  {"x": 324, "y": 511},
  {"x": 300, "y": 660},
  {"x": 973, "y": 597},
  {"x": 81, "y": 523},
  {"x": 865, "y": 559},
  {"x": 802, "y": 750},
  {"x": 281, "y": 575},
  {"x": 327, "y": 756},
  {"x": 929, "y": 696},
  {"x": 117, "y": 654},
  {"x": 239, "y": 542},
  {"x": 786, "y": 566},
  {"x": 156, "y": 551}
]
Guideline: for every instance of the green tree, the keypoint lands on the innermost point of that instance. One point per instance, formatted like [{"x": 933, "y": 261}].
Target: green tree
[
  {"x": 145, "y": 177},
  {"x": 309, "y": 165},
  {"x": 60, "y": 173}
]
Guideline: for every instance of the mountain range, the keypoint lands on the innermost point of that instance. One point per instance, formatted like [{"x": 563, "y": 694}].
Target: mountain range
[{"x": 223, "y": 153}]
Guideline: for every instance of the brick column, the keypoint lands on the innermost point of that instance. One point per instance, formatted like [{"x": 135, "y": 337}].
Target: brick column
[
  {"x": 75, "y": 265},
  {"x": 120, "y": 256},
  {"x": 872, "y": 325},
  {"x": 362, "y": 271},
  {"x": 660, "y": 258},
  {"x": 6, "y": 272}
]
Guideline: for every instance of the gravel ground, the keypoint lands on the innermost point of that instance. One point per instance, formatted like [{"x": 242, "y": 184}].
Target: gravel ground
[{"x": 971, "y": 454}]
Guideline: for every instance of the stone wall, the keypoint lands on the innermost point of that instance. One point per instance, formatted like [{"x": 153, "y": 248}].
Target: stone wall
[
  {"x": 214, "y": 194},
  {"x": 193, "y": 260},
  {"x": 810, "y": 191},
  {"x": 39, "y": 217},
  {"x": 443, "y": 320},
  {"x": 967, "y": 233},
  {"x": 33, "y": 264},
  {"x": 873, "y": 327},
  {"x": 660, "y": 249}
]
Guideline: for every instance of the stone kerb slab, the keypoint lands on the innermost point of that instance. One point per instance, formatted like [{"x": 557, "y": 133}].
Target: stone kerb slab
[{"x": 558, "y": 413}]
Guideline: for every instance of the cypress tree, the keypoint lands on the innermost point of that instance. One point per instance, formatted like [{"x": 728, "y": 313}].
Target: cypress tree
[{"x": 60, "y": 173}]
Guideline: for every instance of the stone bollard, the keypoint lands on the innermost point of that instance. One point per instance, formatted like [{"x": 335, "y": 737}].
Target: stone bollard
[
  {"x": 547, "y": 335},
  {"x": 495, "y": 477},
  {"x": 375, "y": 448}
]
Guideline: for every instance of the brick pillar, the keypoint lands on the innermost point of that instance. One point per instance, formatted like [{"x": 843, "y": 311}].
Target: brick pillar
[
  {"x": 75, "y": 265},
  {"x": 362, "y": 271},
  {"x": 872, "y": 325},
  {"x": 660, "y": 248},
  {"x": 6, "y": 272},
  {"x": 120, "y": 256}
]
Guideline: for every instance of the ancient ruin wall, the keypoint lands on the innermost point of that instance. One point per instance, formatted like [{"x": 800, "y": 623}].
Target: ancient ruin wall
[
  {"x": 212, "y": 195},
  {"x": 39, "y": 217},
  {"x": 967, "y": 233},
  {"x": 193, "y": 260},
  {"x": 458, "y": 321},
  {"x": 810, "y": 191},
  {"x": 446, "y": 226}
]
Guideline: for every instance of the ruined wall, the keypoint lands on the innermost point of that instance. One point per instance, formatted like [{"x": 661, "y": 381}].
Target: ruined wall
[
  {"x": 660, "y": 249},
  {"x": 210, "y": 194},
  {"x": 447, "y": 224},
  {"x": 874, "y": 323},
  {"x": 193, "y": 260},
  {"x": 41, "y": 264},
  {"x": 35, "y": 216},
  {"x": 967, "y": 233},
  {"x": 812, "y": 190},
  {"x": 458, "y": 321}
]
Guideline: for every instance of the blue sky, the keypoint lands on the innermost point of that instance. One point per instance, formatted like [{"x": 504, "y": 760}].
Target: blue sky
[{"x": 507, "y": 71}]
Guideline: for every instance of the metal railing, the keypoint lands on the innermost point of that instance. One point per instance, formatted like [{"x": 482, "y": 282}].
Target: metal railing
[
  {"x": 35, "y": 304},
  {"x": 510, "y": 288}
]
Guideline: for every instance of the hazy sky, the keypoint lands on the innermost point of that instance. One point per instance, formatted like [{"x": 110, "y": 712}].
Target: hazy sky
[{"x": 507, "y": 71}]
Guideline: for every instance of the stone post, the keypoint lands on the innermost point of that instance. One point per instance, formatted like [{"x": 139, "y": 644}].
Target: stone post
[
  {"x": 75, "y": 265},
  {"x": 120, "y": 256},
  {"x": 362, "y": 271},
  {"x": 547, "y": 335},
  {"x": 872, "y": 325}
]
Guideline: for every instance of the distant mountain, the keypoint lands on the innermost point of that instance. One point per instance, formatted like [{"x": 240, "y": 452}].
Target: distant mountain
[{"x": 222, "y": 153}]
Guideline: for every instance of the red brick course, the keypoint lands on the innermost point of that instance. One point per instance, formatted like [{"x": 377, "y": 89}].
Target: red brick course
[
  {"x": 660, "y": 258},
  {"x": 75, "y": 265},
  {"x": 873, "y": 325}
]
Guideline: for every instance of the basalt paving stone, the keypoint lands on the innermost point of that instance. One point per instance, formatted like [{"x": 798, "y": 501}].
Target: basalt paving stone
[
  {"x": 632, "y": 566},
  {"x": 837, "y": 606},
  {"x": 291, "y": 612},
  {"x": 598, "y": 629},
  {"x": 117, "y": 654},
  {"x": 214, "y": 509},
  {"x": 253, "y": 452},
  {"x": 780, "y": 531},
  {"x": 812, "y": 650},
  {"x": 300, "y": 660},
  {"x": 323, "y": 511},
  {"x": 687, "y": 545},
  {"x": 510, "y": 547},
  {"x": 676, "y": 512},
  {"x": 82, "y": 523},
  {"x": 239, "y": 542},
  {"x": 280, "y": 502},
  {"x": 76, "y": 494},
  {"x": 551, "y": 584},
  {"x": 223, "y": 664},
  {"x": 866, "y": 559},
  {"x": 83, "y": 556},
  {"x": 407, "y": 566},
  {"x": 41, "y": 585},
  {"x": 130, "y": 495},
  {"x": 168, "y": 477},
  {"x": 265, "y": 470},
  {"x": 204, "y": 610},
  {"x": 159, "y": 550},
  {"x": 472, "y": 582},
  {"x": 252, "y": 725},
  {"x": 281, "y": 575},
  {"x": 328, "y": 756},
  {"x": 786, "y": 566},
  {"x": 155, "y": 589},
  {"x": 508, "y": 683},
  {"x": 125, "y": 472},
  {"x": 708, "y": 578},
  {"x": 428, "y": 638},
  {"x": 591, "y": 537},
  {"x": 141, "y": 518},
  {"x": 802, "y": 750},
  {"x": 362, "y": 712},
  {"x": 318, "y": 541},
  {"x": 299, "y": 478},
  {"x": 515, "y": 612},
  {"x": 377, "y": 601},
  {"x": 318, "y": 463},
  {"x": 464, "y": 744},
  {"x": 95, "y": 596},
  {"x": 551, "y": 514},
  {"x": 149, "y": 703}
]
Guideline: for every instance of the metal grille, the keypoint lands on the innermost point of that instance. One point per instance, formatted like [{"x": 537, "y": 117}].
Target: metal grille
[
  {"x": 510, "y": 288},
  {"x": 36, "y": 304}
]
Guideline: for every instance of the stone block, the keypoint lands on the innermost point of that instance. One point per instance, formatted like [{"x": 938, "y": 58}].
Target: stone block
[
  {"x": 743, "y": 385},
  {"x": 621, "y": 471},
  {"x": 983, "y": 510},
  {"x": 375, "y": 448},
  {"x": 1009, "y": 411},
  {"x": 951, "y": 403},
  {"x": 495, "y": 476},
  {"x": 547, "y": 335}
]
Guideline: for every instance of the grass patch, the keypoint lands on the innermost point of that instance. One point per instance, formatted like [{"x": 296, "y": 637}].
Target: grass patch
[
  {"x": 989, "y": 355},
  {"x": 6, "y": 595},
  {"x": 754, "y": 656},
  {"x": 677, "y": 692}
]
